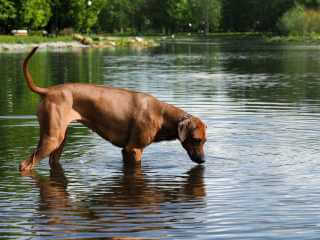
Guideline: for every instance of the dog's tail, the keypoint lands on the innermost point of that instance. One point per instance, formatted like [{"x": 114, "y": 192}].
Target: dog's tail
[{"x": 27, "y": 76}]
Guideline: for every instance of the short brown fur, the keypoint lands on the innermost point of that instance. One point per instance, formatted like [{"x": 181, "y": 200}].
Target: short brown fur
[{"x": 128, "y": 119}]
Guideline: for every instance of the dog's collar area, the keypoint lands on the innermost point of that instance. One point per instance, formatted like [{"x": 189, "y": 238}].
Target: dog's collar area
[{"x": 185, "y": 117}]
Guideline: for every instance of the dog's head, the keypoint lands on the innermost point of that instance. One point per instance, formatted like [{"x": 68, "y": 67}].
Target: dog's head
[{"x": 192, "y": 135}]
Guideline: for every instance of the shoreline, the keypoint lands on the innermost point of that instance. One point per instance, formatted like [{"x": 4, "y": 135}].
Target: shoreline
[
  {"x": 81, "y": 42},
  {"x": 17, "y": 47},
  {"x": 78, "y": 41}
]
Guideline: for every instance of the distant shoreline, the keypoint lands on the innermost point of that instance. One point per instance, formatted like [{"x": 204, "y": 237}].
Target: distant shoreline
[
  {"x": 76, "y": 41},
  {"x": 16, "y": 47},
  {"x": 10, "y": 43}
]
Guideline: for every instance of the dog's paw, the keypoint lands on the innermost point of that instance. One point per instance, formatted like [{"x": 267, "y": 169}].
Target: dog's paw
[{"x": 25, "y": 166}]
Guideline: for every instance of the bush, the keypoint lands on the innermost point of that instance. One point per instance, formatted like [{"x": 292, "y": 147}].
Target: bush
[
  {"x": 312, "y": 18},
  {"x": 299, "y": 21},
  {"x": 292, "y": 22},
  {"x": 67, "y": 32}
]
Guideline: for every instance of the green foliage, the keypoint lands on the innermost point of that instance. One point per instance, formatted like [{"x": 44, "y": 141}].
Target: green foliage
[
  {"x": 253, "y": 15},
  {"x": 309, "y": 3},
  {"x": 118, "y": 15},
  {"x": 312, "y": 21},
  {"x": 7, "y": 10},
  {"x": 8, "y": 13},
  {"x": 300, "y": 21},
  {"x": 180, "y": 11},
  {"x": 33, "y": 39},
  {"x": 157, "y": 16},
  {"x": 36, "y": 13},
  {"x": 292, "y": 22},
  {"x": 85, "y": 13},
  {"x": 206, "y": 14}
]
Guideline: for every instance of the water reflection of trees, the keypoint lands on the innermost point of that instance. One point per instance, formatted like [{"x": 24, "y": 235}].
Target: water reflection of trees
[
  {"x": 251, "y": 69},
  {"x": 47, "y": 68},
  {"x": 111, "y": 205},
  {"x": 279, "y": 74},
  {"x": 18, "y": 104}
]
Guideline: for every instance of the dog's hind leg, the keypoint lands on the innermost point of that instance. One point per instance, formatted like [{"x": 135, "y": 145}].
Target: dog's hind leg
[
  {"x": 55, "y": 155},
  {"x": 46, "y": 146},
  {"x": 52, "y": 135}
]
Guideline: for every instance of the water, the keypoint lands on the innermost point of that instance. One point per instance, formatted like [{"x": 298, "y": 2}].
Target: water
[{"x": 261, "y": 179}]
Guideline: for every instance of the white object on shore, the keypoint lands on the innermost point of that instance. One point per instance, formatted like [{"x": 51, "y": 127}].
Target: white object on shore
[
  {"x": 19, "y": 32},
  {"x": 139, "y": 39}
]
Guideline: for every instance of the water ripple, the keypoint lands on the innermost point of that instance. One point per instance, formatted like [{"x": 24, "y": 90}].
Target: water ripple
[{"x": 260, "y": 179}]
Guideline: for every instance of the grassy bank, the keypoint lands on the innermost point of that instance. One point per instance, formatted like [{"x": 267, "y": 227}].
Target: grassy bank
[
  {"x": 33, "y": 39},
  {"x": 98, "y": 41},
  {"x": 109, "y": 41},
  {"x": 309, "y": 39},
  {"x": 118, "y": 40}
]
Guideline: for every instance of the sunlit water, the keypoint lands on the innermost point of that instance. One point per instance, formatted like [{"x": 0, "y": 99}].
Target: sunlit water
[{"x": 261, "y": 179}]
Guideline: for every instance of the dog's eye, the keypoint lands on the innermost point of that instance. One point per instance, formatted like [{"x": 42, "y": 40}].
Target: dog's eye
[{"x": 197, "y": 141}]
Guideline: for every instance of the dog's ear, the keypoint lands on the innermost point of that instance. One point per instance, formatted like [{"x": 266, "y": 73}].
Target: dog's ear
[{"x": 183, "y": 129}]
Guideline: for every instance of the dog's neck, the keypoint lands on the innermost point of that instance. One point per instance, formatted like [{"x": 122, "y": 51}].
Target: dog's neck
[{"x": 171, "y": 116}]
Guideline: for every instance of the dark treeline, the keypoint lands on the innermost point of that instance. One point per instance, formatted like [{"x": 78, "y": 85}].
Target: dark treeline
[{"x": 147, "y": 16}]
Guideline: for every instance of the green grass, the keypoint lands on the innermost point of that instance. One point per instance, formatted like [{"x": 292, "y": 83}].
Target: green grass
[
  {"x": 121, "y": 41},
  {"x": 312, "y": 38},
  {"x": 33, "y": 39}
]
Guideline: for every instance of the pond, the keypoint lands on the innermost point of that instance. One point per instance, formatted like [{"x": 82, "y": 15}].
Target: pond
[{"x": 262, "y": 172}]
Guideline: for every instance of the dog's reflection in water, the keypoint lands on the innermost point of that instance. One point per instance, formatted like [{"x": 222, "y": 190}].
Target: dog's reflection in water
[
  {"x": 135, "y": 189},
  {"x": 130, "y": 189}
]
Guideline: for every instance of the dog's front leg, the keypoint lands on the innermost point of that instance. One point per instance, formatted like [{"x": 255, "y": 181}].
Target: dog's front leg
[
  {"x": 27, "y": 165},
  {"x": 132, "y": 155}
]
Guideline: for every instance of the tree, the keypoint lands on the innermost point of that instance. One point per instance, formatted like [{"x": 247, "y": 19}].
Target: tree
[
  {"x": 209, "y": 15},
  {"x": 36, "y": 13},
  {"x": 124, "y": 16},
  {"x": 61, "y": 16},
  {"x": 134, "y": 16},
  {"x": 253, "y": 15},
  {"x": 115, "y": 16},
  {"x": 159, "y": 13},
  {"x": 76, "y": 15},
  {"x": 7, "y": 14},
  {"x": 309, "y": 3},
  {"x": 85, "y": 13},
  {"x": 180, "y": 14}
]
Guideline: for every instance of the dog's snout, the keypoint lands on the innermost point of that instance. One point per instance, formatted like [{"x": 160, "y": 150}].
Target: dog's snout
[{"x": 198, "y": 159}]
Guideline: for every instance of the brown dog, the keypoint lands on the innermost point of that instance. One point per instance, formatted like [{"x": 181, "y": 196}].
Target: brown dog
[{"x": 128, "y": 119}]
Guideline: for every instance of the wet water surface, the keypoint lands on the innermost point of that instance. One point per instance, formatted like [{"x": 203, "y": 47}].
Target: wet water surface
[{"x": 262, "y": 172}]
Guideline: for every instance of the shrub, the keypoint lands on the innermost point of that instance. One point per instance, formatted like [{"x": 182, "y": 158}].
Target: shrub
[
  {"x": 300, "y": 21},
  {"x": 292, "y": 22},
  {"x": 67, "y": 32},
  {"x": 312, "y": 18}
]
